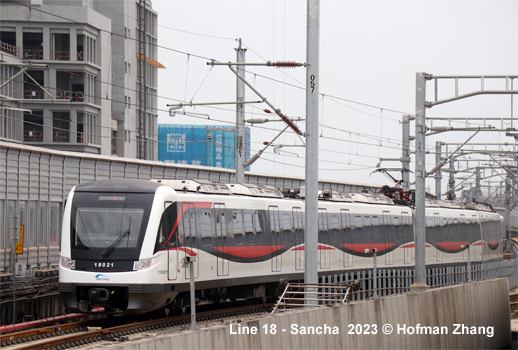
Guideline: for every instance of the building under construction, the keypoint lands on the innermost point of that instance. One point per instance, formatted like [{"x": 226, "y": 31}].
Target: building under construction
[{"x": 71, "y": 76}]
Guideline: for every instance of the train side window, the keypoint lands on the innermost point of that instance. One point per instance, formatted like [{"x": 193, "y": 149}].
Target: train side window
[
  {"x": 166, "y": 228},
  {"x": 187, "y": 229},
  {"x": 334, "y": 227},
  {"x": 436, "y": 219},
  {"x": 206, "y": 227},
  {"x": 237, "y": 223},
  {"x": 474, "y": 219},
  {"x": 366, "y": 221},
  {"x": 358, "y": 221},
  {"x": 257, "y": 227},
  {"x": 297, "y": 219},
  {"x": 286, "y": 227},
  {"x": 405, "y": 218},
  {"x": 429, "y": 222},
  {"x": 249, "y": 227},
  {"x": 395, "y": 220},
  {"x": 375, "y": 221},
  {"x": 322, "y": 220},
  {"x": 346, "y": 218}
]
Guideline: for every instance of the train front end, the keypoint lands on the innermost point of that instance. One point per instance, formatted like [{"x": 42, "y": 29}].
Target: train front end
[{"x": 104, "y": 261}]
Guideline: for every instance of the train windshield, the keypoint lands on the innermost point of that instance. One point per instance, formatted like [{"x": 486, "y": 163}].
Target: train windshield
[
  {"x": 102, "y": 227},
  {"x": 109, "y": 225}
]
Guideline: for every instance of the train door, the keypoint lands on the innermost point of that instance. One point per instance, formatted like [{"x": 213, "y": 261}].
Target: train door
[
  {"x": 273, "y": 218},
  {"x": 388, "y": 236},
  {"x": 345, "y": 216},
  {"x": 299, "y": 238},
  {"x": 167, "y": 226},
  {"x": 190, "y": 236},
  {"x": 323, "y": 248},
  {"x": 221, "y": 243}
]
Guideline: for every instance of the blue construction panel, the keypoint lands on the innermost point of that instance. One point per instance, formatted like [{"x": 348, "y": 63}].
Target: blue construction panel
[{"x": 199, "y": 145}]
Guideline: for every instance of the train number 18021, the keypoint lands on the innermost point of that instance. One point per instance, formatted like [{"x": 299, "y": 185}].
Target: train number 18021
[{"x": 103, "y": 264}]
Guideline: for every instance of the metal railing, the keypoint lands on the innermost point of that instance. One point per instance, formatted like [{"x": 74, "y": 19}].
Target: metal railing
[
  {"x": 33, "y": 54},
  {"x": 8, "y": 48},
  {"x": 392, "y": 281},
  {"x": 319, "y": 295}
]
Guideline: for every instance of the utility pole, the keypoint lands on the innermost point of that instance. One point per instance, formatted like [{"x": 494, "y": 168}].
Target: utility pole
[
  {"x": 312, "y": 89},
  {"x": 405, "y": 156},
  {"x": 420, "y": 177},
  {"x": 240, "y": 116},
  {"x": 438, "y": 176}
]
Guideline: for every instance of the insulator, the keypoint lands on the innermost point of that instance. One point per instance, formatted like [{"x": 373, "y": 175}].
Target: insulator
[
  {"x": 267, "y": 111},
  {"x": 441, "y": 128},
  {"x": 290, "y": 123},
  {"x": 256, "y": 121},
  {"x": 286, "y": 64},
  {"x": 253, "y": 159}
]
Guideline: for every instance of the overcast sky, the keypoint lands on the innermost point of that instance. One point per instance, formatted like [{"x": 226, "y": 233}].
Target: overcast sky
[{"x": 370, "y": 52}]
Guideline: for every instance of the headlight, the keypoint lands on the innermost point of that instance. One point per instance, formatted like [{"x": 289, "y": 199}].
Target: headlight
[
  {"x": 68, "y": 263},
  {"x": 142, "y": 264}
]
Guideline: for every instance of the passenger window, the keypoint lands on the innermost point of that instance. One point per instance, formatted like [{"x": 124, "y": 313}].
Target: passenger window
[
  {"x": 286, "y": 227},
  {"x": 405, "y": 219},
  {"x": 258, "y": 231},
  {"x": 165, "y": 237},
  {"x": 297, "y": 218},
  {"x": 206, "y": 228},
  {"x": 358, "y": 221},
  {"x": 249, "y": 228},
  {"x": 322, "y": 220},
  {"x": 237, "y": 223}
]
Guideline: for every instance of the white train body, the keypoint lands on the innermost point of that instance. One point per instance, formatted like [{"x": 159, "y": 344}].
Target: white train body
[{"x": 124, "y": 241}]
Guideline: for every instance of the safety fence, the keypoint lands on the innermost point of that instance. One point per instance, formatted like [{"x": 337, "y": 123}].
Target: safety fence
[
  {"x": 398, "y": 280},
  {"x": 337, "y": 289}
]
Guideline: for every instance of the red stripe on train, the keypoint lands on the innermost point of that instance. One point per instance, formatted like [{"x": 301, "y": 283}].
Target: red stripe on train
[
  {"x": 320, "y": 247},
  {"x": 452, "y": 245},
  {"x": 412, "y": 245},
  {"x": 250, "y": 251}
]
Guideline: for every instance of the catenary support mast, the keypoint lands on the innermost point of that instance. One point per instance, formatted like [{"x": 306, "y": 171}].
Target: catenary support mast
[{"x": 312, "y": 88}]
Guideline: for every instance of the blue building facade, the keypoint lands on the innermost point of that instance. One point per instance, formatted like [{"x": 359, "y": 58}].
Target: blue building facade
[{"x": 206, "y": 145}]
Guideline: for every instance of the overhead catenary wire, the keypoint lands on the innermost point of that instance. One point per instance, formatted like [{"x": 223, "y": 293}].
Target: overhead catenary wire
[{"x": 326, "y": 96}]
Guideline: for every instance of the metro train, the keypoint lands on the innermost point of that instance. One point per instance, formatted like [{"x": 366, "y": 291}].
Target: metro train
[{"x": 124, "y": 243}]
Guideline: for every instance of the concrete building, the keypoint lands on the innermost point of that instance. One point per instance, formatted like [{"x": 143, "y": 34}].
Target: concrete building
[{"x": 70, "y": 76}]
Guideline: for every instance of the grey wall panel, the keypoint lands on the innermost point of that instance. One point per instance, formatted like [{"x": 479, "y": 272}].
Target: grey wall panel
[
  {"x": 71, "y": 173},
  {"x": 118, "y": 170},
  {"x": 170, "y": 173},
  {"x": 132, "y": 171},
  {"x": 24, "y": 175},
  {"x": 88, "y": 170},
  {"x": 44, "y": 182},
  {"x": 12, "y": 175},
  {"x": 56, "y": 178},
  {"x": 3, "y": 170},
  {"x": 145, "y": 172},
  {"x": 102, "y": 170}
]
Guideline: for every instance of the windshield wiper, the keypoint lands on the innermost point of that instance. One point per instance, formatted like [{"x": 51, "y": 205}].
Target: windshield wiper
[{"x": 116, "y": 243}]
